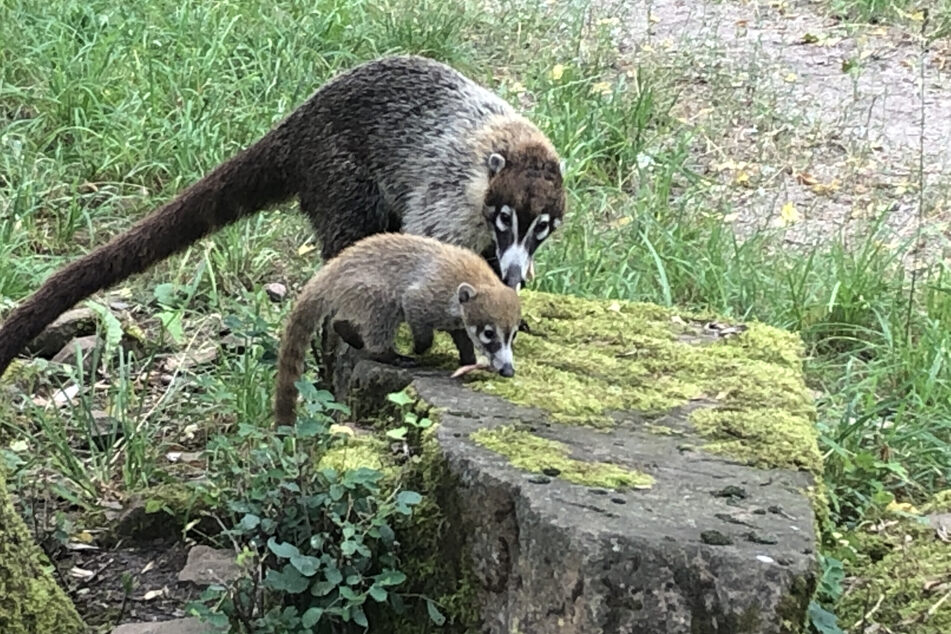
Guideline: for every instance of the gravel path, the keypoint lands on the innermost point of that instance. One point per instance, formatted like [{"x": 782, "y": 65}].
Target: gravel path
[{"x": 770, "y": 89}]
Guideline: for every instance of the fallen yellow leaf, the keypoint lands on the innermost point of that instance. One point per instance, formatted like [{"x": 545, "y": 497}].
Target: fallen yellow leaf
[
  {"x": 790, "y": 77},
  {"x": 556, "y": 72},
  {"x": 826, "y": 188},
  {"x": 83, "y": 536},
  {"x": 341, "y": 429},
  {"x": 805, "y": 178},
  {"x": 601, "y": 87},
  {"x": 789, "y": 214},
  {"x": 306, "y": 248},
  {"x": 903, "y": 507}
]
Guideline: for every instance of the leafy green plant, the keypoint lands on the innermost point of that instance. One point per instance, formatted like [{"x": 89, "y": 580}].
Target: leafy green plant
[
  {"x": 317, "y": 544},
  {"x": 413, "y": 424},
  {"x": 830, "y": 589}
]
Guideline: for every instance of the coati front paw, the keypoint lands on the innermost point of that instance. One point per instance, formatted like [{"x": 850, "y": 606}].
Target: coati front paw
[
  {"x": 402, "y": 361},
  {"x": 395, "y": 359}
]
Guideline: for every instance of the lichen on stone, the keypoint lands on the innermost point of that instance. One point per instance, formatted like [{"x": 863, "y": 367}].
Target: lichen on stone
[
  {"x": 530, "y": 452},
  {"x": 585, "y": 360}
]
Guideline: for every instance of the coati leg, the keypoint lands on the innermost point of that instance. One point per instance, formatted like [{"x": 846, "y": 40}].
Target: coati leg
[
  {"x": 378, "y": 331},
  {"x": 464, "y": 345},
  {"x": 422, "y": 339},
  {"x": 347, "y": 331}
]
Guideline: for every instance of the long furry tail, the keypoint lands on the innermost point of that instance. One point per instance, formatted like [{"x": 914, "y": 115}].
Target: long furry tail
[
  {"x": 238, "y": 187},
  {"x": 307, "y": 313}
]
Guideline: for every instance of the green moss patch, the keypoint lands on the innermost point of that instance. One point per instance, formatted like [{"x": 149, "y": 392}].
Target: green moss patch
[
  {"x": 903, "y": 572},
  {"x": 30, "y": 599},
  {"x": 587, "y": 358},
  {"x": 540, "y": 455}
]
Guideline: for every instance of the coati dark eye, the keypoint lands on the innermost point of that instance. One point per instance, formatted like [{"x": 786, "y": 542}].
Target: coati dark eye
[
  {"x": 504, "y": 218},
  {"x": 487, "y": 335},
  {"x": 542, "y": 227}
]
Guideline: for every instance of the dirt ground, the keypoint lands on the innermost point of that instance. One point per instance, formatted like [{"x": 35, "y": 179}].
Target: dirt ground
[{"x": 811, "y": 124}]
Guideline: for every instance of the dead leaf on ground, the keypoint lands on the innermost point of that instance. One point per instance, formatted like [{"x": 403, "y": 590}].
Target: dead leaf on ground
[{"x": 154, "y": 594}]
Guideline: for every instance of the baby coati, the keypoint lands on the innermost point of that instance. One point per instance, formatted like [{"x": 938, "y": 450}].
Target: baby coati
[
  {"x": 379, "y": 282},
  {"x": 401, "y": 143}
]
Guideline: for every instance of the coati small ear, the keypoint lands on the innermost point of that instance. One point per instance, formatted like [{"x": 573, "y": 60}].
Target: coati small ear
[
  {"x": 466, "y": 292},
  {"x": 495, "y": 162}
]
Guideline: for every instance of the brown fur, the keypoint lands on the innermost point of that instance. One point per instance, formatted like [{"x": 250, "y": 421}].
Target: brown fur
[
  {"x": 396, "y": 144},
  {"x": 384, "y": 280}
]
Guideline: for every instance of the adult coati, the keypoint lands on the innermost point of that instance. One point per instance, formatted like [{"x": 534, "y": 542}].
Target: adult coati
[
  {"x": 401, "y": 143},
  {"x": 374, "y": 285}
]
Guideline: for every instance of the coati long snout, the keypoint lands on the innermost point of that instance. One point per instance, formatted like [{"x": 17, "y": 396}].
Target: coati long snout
[
  {"x": 376, "y": 284},
  {"x": 397, "y": 144}
]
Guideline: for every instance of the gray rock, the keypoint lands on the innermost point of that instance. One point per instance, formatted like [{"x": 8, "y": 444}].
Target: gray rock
[
  {"x": 276, "y": 291},
  {"x": 191, "y": 358},
  {"x": 177, "y": 626},
  {"x": 74, "y": 323},
  {"x": 86, "y": 345},
  {"x": 207, "y": 565},
  {"x": 551, "y": 556}
]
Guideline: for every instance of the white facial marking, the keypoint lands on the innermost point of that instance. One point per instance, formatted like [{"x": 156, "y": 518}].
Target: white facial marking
[
  {"x": 557, "y": 222},
  {"x": 517, "y": 254},
  {"x": 506, "y": 220},
  {"x": 486, "y": 335},
  {"x": 503, "y": 356}
]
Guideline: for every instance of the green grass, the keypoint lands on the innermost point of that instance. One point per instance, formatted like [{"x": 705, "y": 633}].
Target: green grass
[{"x": 106, "y": 112}]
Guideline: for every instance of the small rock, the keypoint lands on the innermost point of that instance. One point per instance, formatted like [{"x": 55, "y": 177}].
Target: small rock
[
  {"x": 551, "y": 472},
  {"x": 276, "y": 291},
  {"x": 177, "y": 626},
  {"x": 208, "y": 565},
  {"x": 74, "y": 323},
  {"x": 756, "y": 538},
  {"x": 715, "y": 538},
  {"x": 731, "y": 491},
  {"x": 86, "y": 345},
  {"x": 135, "y": 523},
  {"x": 539, "y": 479},
  {"x": 103, "y": 431},
  {"x": 191, "y": 359},
  {"x": 941, "y": 523}
]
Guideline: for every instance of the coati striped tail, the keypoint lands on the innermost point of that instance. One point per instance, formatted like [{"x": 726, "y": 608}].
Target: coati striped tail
[
  {"x": 240, "y": 186},
  {"x": 307, "y": 313}
]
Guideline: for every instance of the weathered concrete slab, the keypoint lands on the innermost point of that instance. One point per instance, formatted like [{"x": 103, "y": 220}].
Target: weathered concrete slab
[{"x": 712, "y": 544}]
